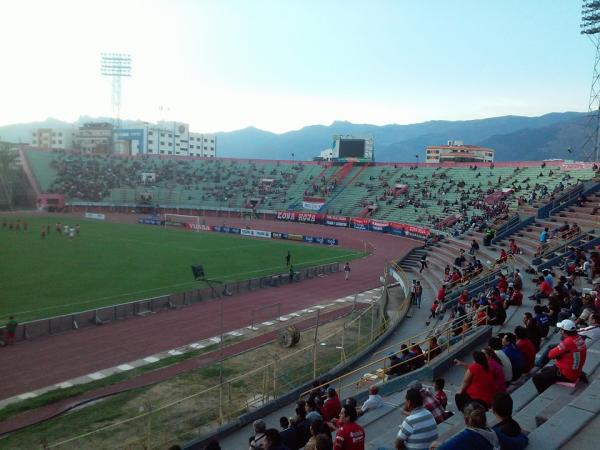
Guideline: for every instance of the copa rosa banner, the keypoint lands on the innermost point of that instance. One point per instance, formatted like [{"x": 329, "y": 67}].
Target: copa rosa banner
[{"x": 296, "y": 216}]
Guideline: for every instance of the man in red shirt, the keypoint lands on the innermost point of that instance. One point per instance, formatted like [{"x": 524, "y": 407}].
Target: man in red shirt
[
  {"x": 526, "y": 347},
  {"x": 543, "y": 290},
  {"x": 350, "y": 436},
  {"x": 332, "y": 406},
  {"x": 570, "y": 357}
]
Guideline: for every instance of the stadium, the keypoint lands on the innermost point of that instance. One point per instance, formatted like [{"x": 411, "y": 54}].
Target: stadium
[
  {"x": 373, "y": 284},
  {"x": 152, "y": 288}
]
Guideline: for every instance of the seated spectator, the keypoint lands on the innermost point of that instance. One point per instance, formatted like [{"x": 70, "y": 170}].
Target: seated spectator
[
  {"x": 350, "y": 435},
  {"x": 434, "y": 348},
  {"x": 418, "y": 358},
  {"x": 517, "y": 362},
  {"x": 301, "y": 424},
  {"x": 513, "y": 249},
  {"x": 517, "y": 280},
  {"x": 272, "y": 440},
  {"x": 534, "y": 334},
  {"x": 256, "y": 440},
  {"x": 503, "y": 257},
  {"x": 288, "y": 434},
  {"x": 544, "y": 236},
  {"x": 526, "y": 347},
  {"x": 316, "y": 428},
  {"x": 476, "y": 435},
  {"x": 478, "y": 383},
  {"x": 570, "y": 357},
  {"x": 419, "y": 429},
  {"x": 544, "y": 290},
  {"x": 323, "y": 442},
  {"x": 373, "y": 402},
  {"x": 513, "y": 296},
  {"x": 496, "y": 314},
  {"x": 587, "y": 309},
  {"x": 591, "y": 333},
  {"x": 407, "y": 359},
  {"x": 562, "y": 229},
  {"x": 396, "y": 368},
  {"x": 429, "y": 401},
  {"x": 440, "y": 395},
  {"x": 312, "y": 412},
  {"x": 502, "y": 284},
  {"x": 509, "y": 432},
  {"x": 496, "y": 369},
  {"x": 542, "y": 319}
]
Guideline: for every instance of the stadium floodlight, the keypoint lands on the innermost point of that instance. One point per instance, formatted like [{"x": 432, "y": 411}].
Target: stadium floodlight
[
  {"x": 116, "y": 65},
  {"x": 590, "y": 26},
  {"x": 590, "y": 17}
]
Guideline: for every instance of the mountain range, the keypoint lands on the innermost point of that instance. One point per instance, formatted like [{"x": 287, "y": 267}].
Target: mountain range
[{"x": 553, "y": 135}]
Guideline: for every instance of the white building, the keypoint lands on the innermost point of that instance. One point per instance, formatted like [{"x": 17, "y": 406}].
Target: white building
[
  {"x": 164, "y": 138},
  {"x": 457, "y": 151},
  {"x": 52, "y": 138}
]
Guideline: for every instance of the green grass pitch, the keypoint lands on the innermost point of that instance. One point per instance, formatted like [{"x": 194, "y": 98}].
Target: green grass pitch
[{"x": 115, "y": 263}]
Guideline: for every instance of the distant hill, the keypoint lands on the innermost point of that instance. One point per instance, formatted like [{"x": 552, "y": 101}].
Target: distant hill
[{"x": 513, "y": 137}]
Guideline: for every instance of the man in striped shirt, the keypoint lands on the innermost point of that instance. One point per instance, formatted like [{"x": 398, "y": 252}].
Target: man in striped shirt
[{"x": 419, "y": 429}]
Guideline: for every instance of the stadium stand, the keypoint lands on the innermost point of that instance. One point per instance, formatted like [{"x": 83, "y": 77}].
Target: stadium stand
[
  {"x": 562, "y": 416},
  {"x": 447, "y": 199}
]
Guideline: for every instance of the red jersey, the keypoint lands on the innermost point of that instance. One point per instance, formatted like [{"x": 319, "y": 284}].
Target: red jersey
[
  {"x": 441, "y": 397},
  {"x": 570, "y": 356},
  {"x": 463, "y": 299},
  {"x": 502, "y": 285},
  {"x": 517, "y": 297},
  {"x": 545, "y": 288},
  {"x": 441, "y": 294},
  {"x": 331, "y": 408},
  {"x": 482, "y": 386},
  {"x": 527, "y": 348},
  {"x": 350, "y": 436}
]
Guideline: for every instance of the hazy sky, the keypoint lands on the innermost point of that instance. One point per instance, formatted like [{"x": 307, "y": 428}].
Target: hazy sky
[{"x": 283, "y": 64}]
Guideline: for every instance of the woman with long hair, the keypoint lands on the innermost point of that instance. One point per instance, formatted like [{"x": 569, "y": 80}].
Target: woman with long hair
[
  {"x": 478, "y": 383},
  {"x": 496, "y": 369}
]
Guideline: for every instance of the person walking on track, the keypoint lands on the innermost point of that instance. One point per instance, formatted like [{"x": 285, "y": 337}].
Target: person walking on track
[{"x": 347, "y": 271}]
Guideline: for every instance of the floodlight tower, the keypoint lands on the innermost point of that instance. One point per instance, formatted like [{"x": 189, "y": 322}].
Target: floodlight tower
[
  {"x": 116, "y": 65},
  {"x": 590, "y": 26}
]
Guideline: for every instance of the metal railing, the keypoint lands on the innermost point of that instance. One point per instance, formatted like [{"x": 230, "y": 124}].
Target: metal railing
[
  {"x": 273, "y": 376},
  {"x": 378, "y": 371}
]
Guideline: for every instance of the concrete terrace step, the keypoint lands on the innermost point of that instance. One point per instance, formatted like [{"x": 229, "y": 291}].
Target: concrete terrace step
[{"x": 566, "y": 423}]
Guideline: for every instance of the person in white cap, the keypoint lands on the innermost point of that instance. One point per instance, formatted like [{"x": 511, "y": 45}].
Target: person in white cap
[{"x": 570, "y": 357}]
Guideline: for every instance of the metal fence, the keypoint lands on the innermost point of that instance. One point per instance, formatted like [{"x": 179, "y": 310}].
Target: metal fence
[
  {"x": 58, "y": 324},
  {"x": 210, "y": 406}
]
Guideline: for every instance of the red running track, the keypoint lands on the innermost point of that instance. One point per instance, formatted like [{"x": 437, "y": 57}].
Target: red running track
[{"x": 43, "y": 362}]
